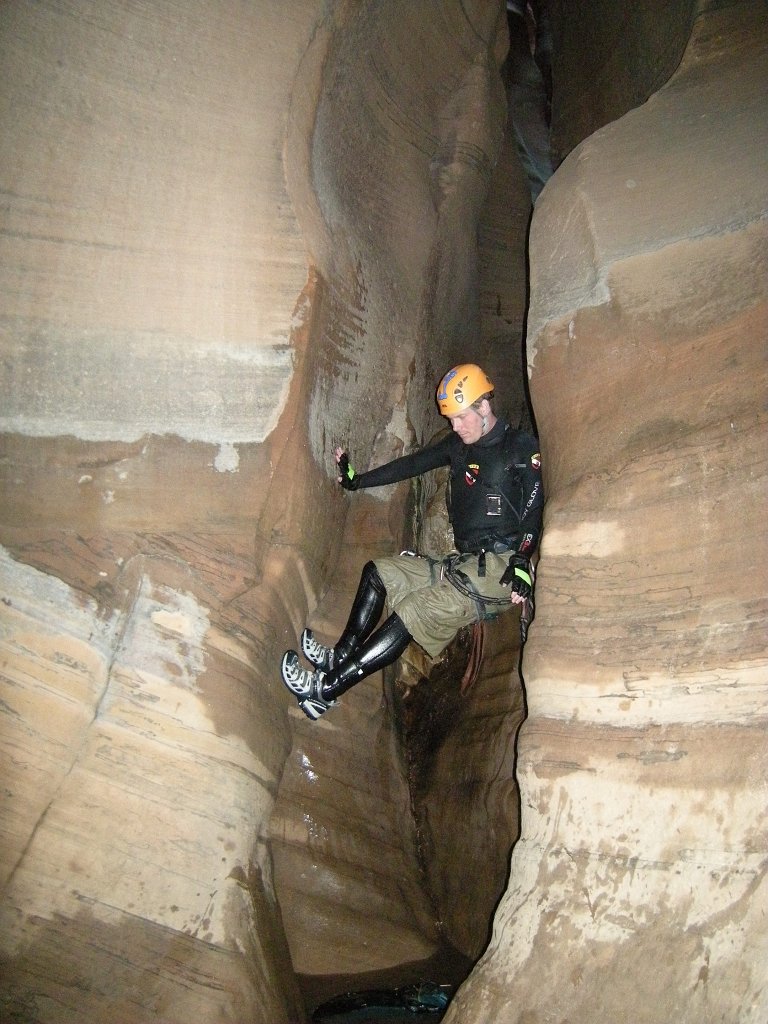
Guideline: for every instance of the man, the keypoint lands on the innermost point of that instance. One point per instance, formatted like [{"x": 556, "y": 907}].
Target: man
[{"x": 495, "y": 502}]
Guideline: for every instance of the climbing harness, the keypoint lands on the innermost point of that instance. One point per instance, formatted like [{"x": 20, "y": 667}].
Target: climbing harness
[{"x": 461, "y": 582}]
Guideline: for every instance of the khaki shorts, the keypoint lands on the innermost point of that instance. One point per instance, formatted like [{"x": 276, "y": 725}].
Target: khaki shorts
[{"x": 430, "y": 607}]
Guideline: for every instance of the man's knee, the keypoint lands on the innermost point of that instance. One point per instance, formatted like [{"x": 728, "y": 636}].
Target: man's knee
[
  {"x": 371, "y": 577},
  {"x": 403, "y": 574}
]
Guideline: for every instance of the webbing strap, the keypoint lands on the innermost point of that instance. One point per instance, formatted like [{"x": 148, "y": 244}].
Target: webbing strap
[{"x": 461, "y": 582}]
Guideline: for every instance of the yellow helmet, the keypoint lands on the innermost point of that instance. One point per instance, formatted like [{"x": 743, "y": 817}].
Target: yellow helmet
[{"x": 460, "y": 387}]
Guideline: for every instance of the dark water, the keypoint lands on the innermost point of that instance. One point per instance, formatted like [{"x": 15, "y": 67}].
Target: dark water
[
  {"x": 421, "y": 1002},
  {"x": 373, "y": 1016},
  {"x": 329, "y": 999}
]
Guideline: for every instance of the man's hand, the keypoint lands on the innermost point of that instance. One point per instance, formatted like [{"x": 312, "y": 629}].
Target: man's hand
[
  {"x": 517, "y": 576},
  {"x": 348, "y": 478}
]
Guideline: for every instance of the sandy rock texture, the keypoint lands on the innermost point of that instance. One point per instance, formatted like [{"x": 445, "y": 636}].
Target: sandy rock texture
[
  {"x": 234, "y": 235},
  {"x": 638, "y": 888},
  {"x": 134, "y": 155},
  {"x": 609, "y": 58},
  {"x": 231, "y": 236},
  {"x": 389, "y": 173},
  {"x": 343, "y": 844},
  {"x": 155, "y": 287},
  {"x": 396, "y": 811},
  {"x": 129, "y": 891}
]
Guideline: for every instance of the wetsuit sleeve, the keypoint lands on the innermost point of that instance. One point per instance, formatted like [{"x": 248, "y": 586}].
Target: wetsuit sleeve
[
  {"x": 408, "y": 466},
  {"x": 528, "y": 465}
]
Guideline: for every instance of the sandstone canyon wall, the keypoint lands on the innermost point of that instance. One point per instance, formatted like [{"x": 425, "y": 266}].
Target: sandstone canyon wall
[
  {"x": 638, "y": 889},
  {"x": 234, "y": 235},
  {"x": 151, "y": 267},
  {"x": 219, "y": 257}
]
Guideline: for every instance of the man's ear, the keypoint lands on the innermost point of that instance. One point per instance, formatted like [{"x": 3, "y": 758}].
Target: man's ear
[{"x": 484, "y": 408}]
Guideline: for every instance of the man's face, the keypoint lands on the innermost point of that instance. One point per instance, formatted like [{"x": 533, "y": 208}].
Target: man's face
[{"x": 468, "y": 425}]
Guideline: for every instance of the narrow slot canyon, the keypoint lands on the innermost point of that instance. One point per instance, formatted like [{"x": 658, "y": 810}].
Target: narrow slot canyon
[{"x": 235, "y": 236}]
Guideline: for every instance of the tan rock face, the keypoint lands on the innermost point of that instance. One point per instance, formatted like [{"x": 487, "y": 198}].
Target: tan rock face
[
  {"x": 176, "y": 372},
  {"x": 459, "y": 742},
  {"x": 396, "y": 811},
  {"x": 109, "y": 853},
  {"x": 142, "y": 196},
  {"x": 344, "y": 849},
  {"x": 235, "y": 237},
  {"x": 637, "y": 890}
]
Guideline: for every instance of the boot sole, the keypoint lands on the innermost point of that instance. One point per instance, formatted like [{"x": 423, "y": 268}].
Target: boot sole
[{"x": 296, "y": 686}]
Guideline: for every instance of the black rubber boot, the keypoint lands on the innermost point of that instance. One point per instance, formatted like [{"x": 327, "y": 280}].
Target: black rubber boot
[
  {"x": 366, "y": 612},
  {"x": 382, "y": 648}
]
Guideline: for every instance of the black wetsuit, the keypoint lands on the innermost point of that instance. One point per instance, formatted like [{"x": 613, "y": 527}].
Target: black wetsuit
[{"x": 496, "y": 493}]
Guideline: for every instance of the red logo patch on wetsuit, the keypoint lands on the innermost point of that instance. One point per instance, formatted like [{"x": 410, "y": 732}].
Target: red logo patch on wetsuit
[
  {"x": 536, "y": 460},
  {"x": 471, "y": 473}
]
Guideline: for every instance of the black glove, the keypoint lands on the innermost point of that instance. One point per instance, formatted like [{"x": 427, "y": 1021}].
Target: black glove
[
  {"x": 517, "y": 576},
  {"x": 349, "y": 479}
]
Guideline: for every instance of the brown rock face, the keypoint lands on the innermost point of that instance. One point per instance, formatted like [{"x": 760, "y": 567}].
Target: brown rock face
[
  {"x": 637, "y": 891},
  {"x": 182, "y": 344},
  {"x": 610, "y": 58},
  {"x": 396, "y": 812},
  {"x": 234, "y": 235}
]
